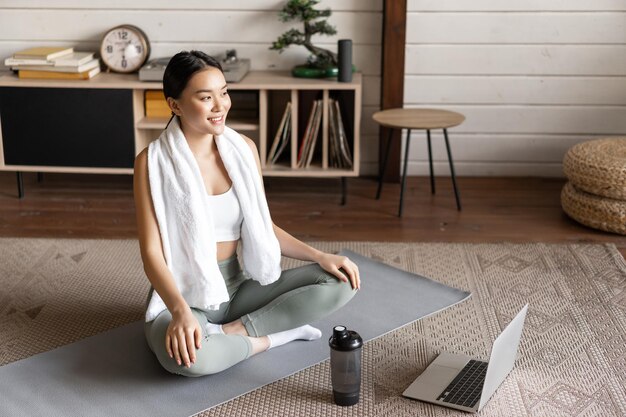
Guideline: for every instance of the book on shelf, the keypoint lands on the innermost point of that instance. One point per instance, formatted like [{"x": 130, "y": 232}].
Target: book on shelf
[
  {"x": 74, "y": 59},
  {"x": 310, "y": 134},
  {"x": 160, "y": 113},
  {"x": 344, "y": 147},
  {"x": 27, "y": 74},
  {"x": 332, "y": 136},
  {"x": 313, "y": 139},
  {"x": 71, "y": 59},
  {"x": 154, "y": 95},
  {"x": 14, "y": 62},
  {"x": 43, "y": 52},
  {"x": 157, "y": 109},
  {"x": 157, "y": 105},
  {"x": 340, "y": 154},
  {"x": 285, "y": 138},
  {"x": 307, "y": 132},
  {"x": 279, "y": 132},
  {"x": 89, "y": 65}
]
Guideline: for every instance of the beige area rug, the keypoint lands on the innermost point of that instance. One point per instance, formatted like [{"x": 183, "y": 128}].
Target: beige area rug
[{"x": 572, "y": 356}]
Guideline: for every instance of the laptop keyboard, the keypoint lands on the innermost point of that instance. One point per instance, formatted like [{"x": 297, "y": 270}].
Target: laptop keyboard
[{"x": 466, "y": 387}]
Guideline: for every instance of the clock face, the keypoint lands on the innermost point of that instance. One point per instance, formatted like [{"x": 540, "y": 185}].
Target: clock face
[{"x": 125, "y": 48}]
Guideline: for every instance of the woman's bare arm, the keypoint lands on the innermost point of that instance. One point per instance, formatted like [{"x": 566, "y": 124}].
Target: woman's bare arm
[
  {"x": 183, "y": 333},
  {"x": 294, "y": 248},
  {"x": 150, "y": 240}
]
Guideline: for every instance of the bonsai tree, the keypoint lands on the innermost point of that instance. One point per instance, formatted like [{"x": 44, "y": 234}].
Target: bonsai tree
[{"x": 303, "y": 11}]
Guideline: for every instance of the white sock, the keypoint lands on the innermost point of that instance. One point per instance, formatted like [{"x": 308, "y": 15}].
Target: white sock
[
  {"x": 305, "y": 332},
  {"x": 213, "y": 328}
]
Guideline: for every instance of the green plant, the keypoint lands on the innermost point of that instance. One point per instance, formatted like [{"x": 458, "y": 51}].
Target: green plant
[{"x": 303, "y": 11}]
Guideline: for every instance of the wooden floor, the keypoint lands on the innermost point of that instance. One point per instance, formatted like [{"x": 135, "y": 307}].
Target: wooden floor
[{"x": 494, "y": 210}]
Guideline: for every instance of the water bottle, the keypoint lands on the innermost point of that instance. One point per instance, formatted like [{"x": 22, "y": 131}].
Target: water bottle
[{"x": 345, "y": 365}]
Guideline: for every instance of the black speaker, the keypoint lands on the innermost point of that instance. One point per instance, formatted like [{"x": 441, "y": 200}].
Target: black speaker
[{"x": 344, "y": 48}]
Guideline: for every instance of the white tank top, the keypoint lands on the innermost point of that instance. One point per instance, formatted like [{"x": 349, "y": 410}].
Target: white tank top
[{"x": 227, "y": 215}]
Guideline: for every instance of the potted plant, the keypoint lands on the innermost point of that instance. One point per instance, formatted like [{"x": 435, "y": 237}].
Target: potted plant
[{"x": 321, "y": 62}]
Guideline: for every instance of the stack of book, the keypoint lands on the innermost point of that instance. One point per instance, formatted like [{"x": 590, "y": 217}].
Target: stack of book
[
  {"x": 339, "y": 149},
  {"x": 54, "y": 63},
  {"x": 156, "y": 105},
  {"x": 282, "y": 137},
  {"x": 307, "y": 144}
]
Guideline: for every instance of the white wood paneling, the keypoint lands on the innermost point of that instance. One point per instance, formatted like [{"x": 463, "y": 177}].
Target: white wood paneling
[
  {"x": 562, "y": 60},
  {"x": 532, "y": 78},
  {"x": 515, "y": 5},
  {"x": 517, "y": 28},
  {"x": 536, "y": 120},
  {"x": 369, "y": 138},
  {"x": 368, "y": 126},
  {"x": 606, "y": 120},
  {"x": 229, "y": 26},
  {"x": 371, "y": 90},
  {"x": 247, "y": 5},
  {"x": 498, "y": 89},
  {"x": 485, "y": 147}
]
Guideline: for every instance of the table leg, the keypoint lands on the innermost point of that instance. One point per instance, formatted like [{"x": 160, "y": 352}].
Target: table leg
[
  {"x": 382, "y": 173},
  {"x": 430, "y": 163},
  {"x": 344, "y": 187},
  {"x": 20, "y": 185},
  {"x": 406, "y": 160},
  {"x": 456, "y": 191}
]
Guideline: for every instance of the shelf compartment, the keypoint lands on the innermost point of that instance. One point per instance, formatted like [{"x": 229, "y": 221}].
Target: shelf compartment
[
  {"x": 276, "y": 104},
  {"x": 306, "y": 99}
]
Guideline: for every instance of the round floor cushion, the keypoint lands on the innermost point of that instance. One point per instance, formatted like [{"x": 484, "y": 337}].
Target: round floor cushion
[
  {"x": 602, "y": 213},
  {"x": 598, "y": 167}
]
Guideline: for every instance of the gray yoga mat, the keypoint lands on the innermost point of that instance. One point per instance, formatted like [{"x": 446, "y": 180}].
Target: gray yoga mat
[{"x": 114, "y": 373}]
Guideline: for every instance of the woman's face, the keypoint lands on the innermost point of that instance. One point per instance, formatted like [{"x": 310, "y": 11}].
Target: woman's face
[{"x": 204, "y": 103}]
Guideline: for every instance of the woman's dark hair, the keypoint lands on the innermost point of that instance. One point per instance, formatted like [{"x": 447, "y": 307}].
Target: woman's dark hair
[{"x": 181, "y": 68}]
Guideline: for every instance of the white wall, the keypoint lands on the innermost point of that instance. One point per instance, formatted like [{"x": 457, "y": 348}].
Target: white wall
[
  {"x": 533, "y": 77},
  {"x": 213, "y": 26}
]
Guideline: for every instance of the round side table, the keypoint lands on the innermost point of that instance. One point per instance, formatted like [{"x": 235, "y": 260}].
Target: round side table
[{"x": 419, "y": 119}]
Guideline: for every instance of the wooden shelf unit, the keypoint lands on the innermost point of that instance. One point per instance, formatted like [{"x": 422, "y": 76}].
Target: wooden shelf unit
[{"x": 259, "y": 122}]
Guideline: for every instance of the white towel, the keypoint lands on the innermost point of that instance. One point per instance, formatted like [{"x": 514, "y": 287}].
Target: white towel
[{"x": 186, "y": 222}]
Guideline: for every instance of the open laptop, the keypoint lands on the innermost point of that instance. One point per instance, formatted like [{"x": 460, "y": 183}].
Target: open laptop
[{"x": 464, "y": 383}]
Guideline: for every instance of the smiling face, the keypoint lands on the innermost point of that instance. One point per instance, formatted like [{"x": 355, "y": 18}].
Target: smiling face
[{"x": 203, "y": 104}]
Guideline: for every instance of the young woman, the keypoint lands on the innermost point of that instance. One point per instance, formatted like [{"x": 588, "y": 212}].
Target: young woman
[{"x": 194, "y": 341}]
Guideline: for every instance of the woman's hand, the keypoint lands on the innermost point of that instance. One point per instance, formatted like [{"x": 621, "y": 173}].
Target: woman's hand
[
  {"x": 331, "y": 263},
  {"x": 182, "y": 337}
]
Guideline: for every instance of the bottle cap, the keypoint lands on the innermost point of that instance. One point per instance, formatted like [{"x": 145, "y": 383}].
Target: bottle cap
[{"x": 344, "y": 339}]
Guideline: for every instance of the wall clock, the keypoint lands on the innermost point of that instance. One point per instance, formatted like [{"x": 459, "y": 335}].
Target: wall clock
[{"x": 124, "y": 48}]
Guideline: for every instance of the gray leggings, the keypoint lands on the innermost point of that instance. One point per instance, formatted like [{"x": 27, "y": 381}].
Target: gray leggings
[{"x": 300, "y": 296}]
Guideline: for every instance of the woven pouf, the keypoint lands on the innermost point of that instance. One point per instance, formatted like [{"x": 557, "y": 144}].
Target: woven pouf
[
  {"x": 598, "y": 167},
  {"x": 602, "y": 213}
]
